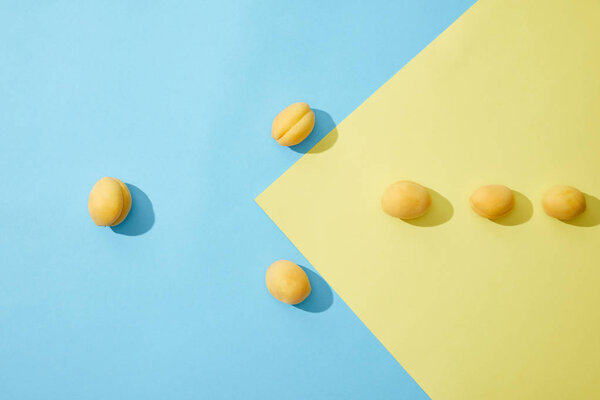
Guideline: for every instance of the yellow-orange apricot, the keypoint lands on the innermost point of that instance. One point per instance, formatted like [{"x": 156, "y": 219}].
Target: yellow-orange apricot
[
  {"x": 563, "y": 202},
  {"x": 109, "y": 202},
  {"x": 492, "y": 201},
  {"x": 292, "y": 125},
  {"x": 287, "y": 282},
  {"x": 405, "y": 200}
]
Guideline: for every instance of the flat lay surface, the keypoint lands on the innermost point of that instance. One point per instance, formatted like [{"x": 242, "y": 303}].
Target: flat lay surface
[
  {"x": 177, "y": 100},
  {"x": 471, "y": 308}
]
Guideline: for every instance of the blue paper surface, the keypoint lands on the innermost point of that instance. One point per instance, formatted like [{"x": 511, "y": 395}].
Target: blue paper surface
[{"x": 176, "y": 99}]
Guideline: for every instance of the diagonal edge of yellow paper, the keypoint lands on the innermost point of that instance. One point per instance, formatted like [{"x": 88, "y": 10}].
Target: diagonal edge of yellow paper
[{"x": 508, "y": 94}]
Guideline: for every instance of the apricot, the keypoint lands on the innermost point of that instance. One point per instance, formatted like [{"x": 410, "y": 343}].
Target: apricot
[
  {"x": 292, "y": 125},
  {"x": 405, "y": 200},
  {"x": 287, "y": 282},
  {"x": 109, "y": 202},
  {"x": 563, "y": 202},
  {"x": 492, "y": 201}
]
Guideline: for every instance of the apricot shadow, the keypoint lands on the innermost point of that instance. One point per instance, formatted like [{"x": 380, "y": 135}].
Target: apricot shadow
[
  {"x": 323, "y": 136},
  {"x": 521, "y": 213},
  {"x": 591, "y": 216},
  {"x": 321, "y": 295},
  {"x": 141, "y": 216},
  {"x": 440, "y": 212}
]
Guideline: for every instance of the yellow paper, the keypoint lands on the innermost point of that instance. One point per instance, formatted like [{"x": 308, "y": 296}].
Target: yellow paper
[{"x": 472, "y": 309}]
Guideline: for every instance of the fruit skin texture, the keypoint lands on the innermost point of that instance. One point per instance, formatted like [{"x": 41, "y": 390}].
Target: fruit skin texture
[
  {"x": 287, "y": 282},
  {"x": 563, "y": 202},
  {"x": 492, "y": 201},
  {"x": 109, "y": 202},
  {"x": 293, "y": 124},
  {"x": 405, "y": 200}
]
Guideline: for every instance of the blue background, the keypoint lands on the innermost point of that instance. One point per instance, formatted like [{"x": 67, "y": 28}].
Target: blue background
[{"x": 177, "y": 99}]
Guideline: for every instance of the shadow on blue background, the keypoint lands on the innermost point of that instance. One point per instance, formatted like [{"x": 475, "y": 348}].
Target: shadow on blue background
[
  {"x": 321, "y": 296},
  {"x": 141, "y": 217},
  {"x": 323, "y": 125}
]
